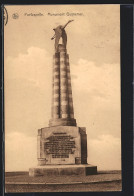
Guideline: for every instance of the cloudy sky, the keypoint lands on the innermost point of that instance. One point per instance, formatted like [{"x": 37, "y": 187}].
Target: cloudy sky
[{"x": 94, "y": 50}]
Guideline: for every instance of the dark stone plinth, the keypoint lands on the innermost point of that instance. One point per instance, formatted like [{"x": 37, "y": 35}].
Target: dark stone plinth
[{"x": 61, "y": 170}]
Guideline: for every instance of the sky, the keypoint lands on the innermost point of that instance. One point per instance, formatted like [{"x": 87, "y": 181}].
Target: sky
[{"x": 94, "y": 52}]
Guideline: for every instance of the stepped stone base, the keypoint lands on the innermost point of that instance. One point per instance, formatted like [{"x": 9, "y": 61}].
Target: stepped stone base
[{"x": 60, "y": 170}]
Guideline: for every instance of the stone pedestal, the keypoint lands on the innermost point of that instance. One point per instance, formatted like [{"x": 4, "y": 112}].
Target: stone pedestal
[
  {"x": 62, "y": 150},
  {"x": 62, "y": 145}
]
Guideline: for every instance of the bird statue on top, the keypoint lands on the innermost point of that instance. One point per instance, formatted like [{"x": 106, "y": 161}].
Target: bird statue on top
[{"x": 60, "y": 32}]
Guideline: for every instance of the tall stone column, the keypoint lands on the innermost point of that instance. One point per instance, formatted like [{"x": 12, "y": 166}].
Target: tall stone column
[{"x": 62, "y": 103}]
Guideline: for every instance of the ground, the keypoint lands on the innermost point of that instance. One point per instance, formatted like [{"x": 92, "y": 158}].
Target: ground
[{"x": 103, "y": 181}]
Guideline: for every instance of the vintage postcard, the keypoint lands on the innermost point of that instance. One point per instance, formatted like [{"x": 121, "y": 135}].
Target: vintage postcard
[{"x": 62, "y": 98}]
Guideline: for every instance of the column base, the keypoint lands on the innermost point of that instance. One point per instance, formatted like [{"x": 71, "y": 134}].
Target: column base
[{"x": 62, "y": 122}]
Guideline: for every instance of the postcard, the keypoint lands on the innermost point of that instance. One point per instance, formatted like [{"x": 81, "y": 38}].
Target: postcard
[{"x": 62, "y": 98}]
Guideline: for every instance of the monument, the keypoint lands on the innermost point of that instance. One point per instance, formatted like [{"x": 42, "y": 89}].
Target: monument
[{"x": 62, "y": 147}]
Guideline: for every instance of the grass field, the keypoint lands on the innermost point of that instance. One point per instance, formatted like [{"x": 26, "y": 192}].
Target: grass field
[{"x": 103, "y": 181}]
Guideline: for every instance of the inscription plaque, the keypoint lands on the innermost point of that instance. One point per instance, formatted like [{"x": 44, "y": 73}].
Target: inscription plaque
[{"x": 59, "y": 145}]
